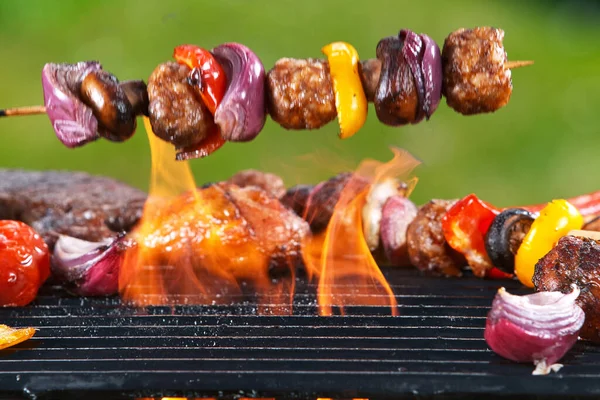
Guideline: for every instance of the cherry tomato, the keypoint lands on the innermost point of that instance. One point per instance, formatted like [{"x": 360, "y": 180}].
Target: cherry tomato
[{"x": 24, "y": 263}]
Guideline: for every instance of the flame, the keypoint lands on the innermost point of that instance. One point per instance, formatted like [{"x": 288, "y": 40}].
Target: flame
[
  {"x": 340, "y": 257},
  {"x": 194, "y": 246}
]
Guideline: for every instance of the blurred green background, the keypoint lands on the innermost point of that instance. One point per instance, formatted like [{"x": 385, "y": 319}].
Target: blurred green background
[{"x": 542, "y": 145}]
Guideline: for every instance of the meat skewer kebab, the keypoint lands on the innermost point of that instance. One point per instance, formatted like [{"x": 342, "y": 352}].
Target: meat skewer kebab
[{"x": 405, "y": 82}]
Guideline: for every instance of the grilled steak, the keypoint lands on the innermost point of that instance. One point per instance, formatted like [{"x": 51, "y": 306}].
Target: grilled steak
[
  {"x": 574, "y": 260},
  {"x": 70, "y": 203}
]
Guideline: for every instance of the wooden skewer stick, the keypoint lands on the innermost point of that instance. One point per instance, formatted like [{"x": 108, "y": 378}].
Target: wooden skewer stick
[
  {"x": 32, "y": 110},
  {"x": 517, "y": 64}
]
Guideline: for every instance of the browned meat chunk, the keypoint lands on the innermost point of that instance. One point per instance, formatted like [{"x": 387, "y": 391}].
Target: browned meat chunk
[
  {"x": 75, "y": 204},
  {"x": 427, "y": 247},
  {"x": 270, "y": 183},
  {"x": 176, "y": 113},
  {"x": 296, "y": 197},
  {"x": 300, "y": 93},
  {"x": 576, "y": 261},
  {"x": 324, "y": 197},
  {"x": 475, "y": 80}
]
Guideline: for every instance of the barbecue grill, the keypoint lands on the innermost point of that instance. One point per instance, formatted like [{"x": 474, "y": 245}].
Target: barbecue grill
[{"x": 97, "y": 348}]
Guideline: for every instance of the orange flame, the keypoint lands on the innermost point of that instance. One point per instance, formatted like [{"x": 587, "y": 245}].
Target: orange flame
[
  {"x": 340, "y": 257},
  {"x": 195, "y": 246}
]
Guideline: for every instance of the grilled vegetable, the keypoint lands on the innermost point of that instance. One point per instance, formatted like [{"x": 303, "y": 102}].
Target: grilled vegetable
[
  {"x": 350, "y": 100},
  {"x": 24, "y": 263},
  {"x": 555, "y": 221},
  {"x": 538, "y": 328},
  {"x": 505, "y": 235}
]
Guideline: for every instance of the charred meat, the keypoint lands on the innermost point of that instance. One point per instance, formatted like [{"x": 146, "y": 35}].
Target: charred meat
[
  {"x": 574, "y": 260},
  {"x": 176, "y": 113},
  {"x": 270, "y": 183},
  {"x": 475, "y": 77},
  {"x": 87, "y": 207},
  {"x": 300, "y": 93}
]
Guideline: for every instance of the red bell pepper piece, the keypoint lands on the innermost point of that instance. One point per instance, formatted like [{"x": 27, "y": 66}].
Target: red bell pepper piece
[
  {"x": 206, "y": 70},
  {"x": 212, "y": 142},
  {"x": 465, "y": 225},
  {"x": 468, "y": 220},
  {"x": 211, "y": 81}
]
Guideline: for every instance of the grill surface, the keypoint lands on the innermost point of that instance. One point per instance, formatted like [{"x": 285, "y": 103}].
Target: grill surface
[{"x": 98, "y": 348}]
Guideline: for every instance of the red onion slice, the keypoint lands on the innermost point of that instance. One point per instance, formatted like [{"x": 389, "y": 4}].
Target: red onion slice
[
  {"x": 89, "y": 268},
  {"x": 431, "y": 68},
  {"x": 412, "y": 51},
  {"x": 396, "y": 214},
  {"x": 241, "y": 114},
  {"x": 538, "y": 328},
  {"x": 73, "y": 121}
]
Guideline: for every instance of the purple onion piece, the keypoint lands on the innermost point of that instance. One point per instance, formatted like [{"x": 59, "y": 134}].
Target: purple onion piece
[
  {"x": 412, "y": 52},
  {"x": 89, "y": 268},
  {"x": 378, "y": 194},
  {"x": 431, "y": 67},
  {"x": 241, "y": 114},
  {"x": 73, "y": 121},
  {"x": 397, "y": 213},
  {"x": 538, "y": 328}
]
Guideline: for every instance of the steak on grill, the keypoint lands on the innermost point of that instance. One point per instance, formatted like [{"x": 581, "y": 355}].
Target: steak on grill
[
  {"x": 69, "y": 203},
  {"x": 574, "y": 260}
]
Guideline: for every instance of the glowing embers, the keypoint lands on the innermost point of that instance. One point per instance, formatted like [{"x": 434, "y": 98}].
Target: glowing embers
[{"x": 340, "y": 257}]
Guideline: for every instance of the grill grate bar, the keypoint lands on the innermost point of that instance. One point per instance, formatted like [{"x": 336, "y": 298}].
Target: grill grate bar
[{"x": 98, "y": 348}]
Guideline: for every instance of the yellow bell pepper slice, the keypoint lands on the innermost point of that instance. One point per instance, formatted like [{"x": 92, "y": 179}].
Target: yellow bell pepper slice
[
  {"x": 350, "y": 98},
  {"x": 555, "y": 221},
  {"x": 10, "y": 336}
]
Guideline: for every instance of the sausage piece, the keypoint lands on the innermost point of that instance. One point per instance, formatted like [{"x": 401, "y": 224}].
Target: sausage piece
[{"x": 300, "y": 93}]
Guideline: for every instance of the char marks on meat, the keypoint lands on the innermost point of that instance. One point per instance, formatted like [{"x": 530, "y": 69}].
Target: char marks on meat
[
  {"x": 300, "y": 93},
  {"x": 69, "y": 203},
  {"x": 427, "y": 246},
  {"x": 574, "y": 260}
]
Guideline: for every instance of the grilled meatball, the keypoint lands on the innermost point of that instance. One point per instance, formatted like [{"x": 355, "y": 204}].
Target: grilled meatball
[
  {"x": 475, "y": 80},
  {"x": 574, "y": 260},
  {"x": 176, "y": 113},
  {"x": 300, "y": 93},
  {"x": 270, "y": 183},
  {"x": 427, "y": 247}
]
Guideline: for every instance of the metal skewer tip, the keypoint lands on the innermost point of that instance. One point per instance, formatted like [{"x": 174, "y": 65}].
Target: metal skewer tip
[
  {"x": 517, "y": 64},
  {"x": 33, "y": 110}
]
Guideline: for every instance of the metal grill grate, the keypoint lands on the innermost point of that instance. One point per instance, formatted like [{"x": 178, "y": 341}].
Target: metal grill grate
[{"x": 99, "y": 349}]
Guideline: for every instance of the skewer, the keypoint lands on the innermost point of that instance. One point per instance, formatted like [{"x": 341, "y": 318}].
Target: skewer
[
  {"x": 517, "y": 64},
  {"x": 34, "y": 110},
  {"x": 31, "y": 110}
]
